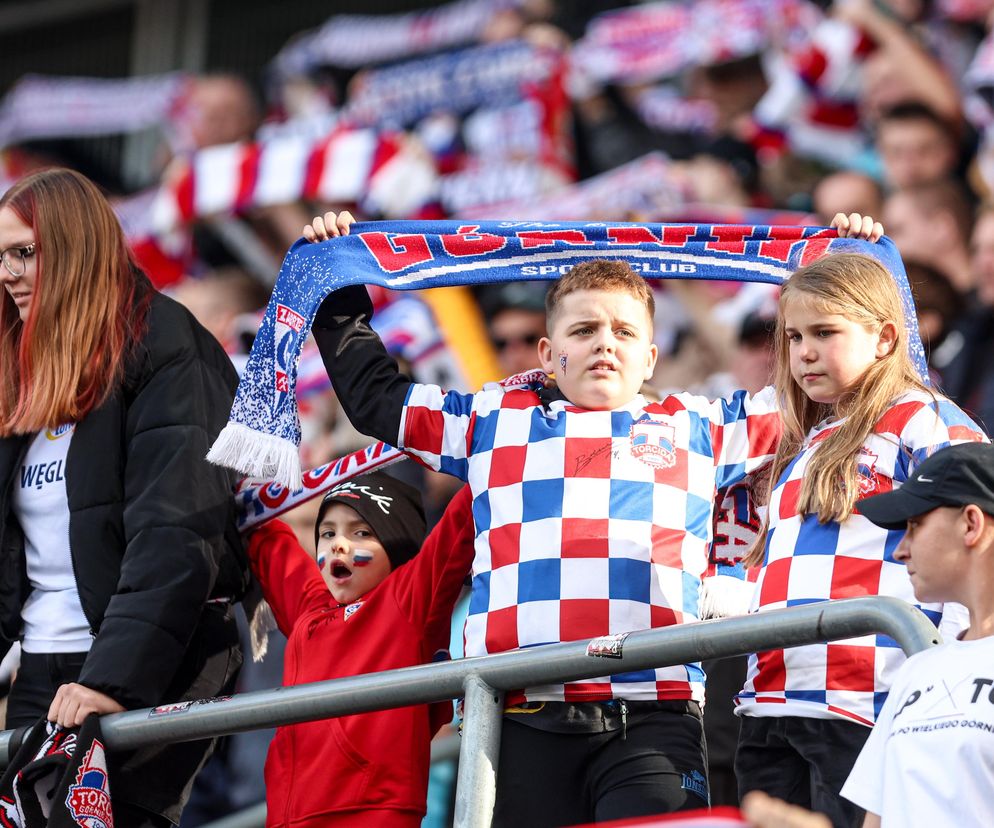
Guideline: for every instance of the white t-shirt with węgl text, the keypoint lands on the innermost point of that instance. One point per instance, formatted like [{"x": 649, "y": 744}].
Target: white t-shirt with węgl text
[
  {"x": 53, "y": 616},
  {"x": 930, "y": 758}
]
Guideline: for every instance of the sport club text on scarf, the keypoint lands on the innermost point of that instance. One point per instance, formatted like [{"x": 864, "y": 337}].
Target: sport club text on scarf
[{"x": 263, "y": 433}]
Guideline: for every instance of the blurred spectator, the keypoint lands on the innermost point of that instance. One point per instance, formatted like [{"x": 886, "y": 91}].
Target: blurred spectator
[
  {"x": 899, "y": 69},
  {"x": 609, "y": 133},
  {"x": 734, "y": 87},
  {"x": 916, "y": 146},
  {"x": 724, "y": 171},
  {"x": 752, "y": 364},
  {"x": 938, "y": 305},
  {"x": 847, "y": 191},
  {"x": 982, "y": 254},
  {"x": 969, "y": 375},
  {"x": 512, "y": 22},
  {"x": 516, "y": 320},
  {"x": 930, "y": 223},
  {"x": 223, "y": 109},
  {"x": 218, "y": 298}
]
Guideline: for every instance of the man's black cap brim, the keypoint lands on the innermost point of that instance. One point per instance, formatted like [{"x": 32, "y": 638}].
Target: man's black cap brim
[{"x": 893, "y": 510}]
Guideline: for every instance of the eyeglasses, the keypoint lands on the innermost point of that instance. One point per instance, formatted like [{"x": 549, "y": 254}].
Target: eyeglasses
[
  {"x": 13, "y": 259},
  {"x": 530, "y": 340}
]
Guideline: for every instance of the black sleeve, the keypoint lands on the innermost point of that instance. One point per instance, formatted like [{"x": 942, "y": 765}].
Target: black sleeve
[
  {"x": 176, "y": 510},
  {"x": 366, "y": 379}
]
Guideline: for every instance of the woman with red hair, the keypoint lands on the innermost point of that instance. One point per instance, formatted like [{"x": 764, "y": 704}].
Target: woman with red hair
[{"x": 119, "y": 555}]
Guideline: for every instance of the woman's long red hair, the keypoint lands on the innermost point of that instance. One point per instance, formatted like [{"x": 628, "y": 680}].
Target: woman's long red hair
[{"x": 68, "y": 355}]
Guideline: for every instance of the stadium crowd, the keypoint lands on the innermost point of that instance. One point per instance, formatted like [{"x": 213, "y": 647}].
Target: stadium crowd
[{"x": 736, "y": 112}]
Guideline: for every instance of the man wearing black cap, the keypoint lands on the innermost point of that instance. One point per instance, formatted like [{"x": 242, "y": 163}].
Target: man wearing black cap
[{"x": 930, "y": 757}]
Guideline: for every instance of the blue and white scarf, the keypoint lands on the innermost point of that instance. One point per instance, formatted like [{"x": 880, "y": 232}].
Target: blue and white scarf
[
  {"x": 358, "y": 40},
  {"x": 494, "y": 74},
  {"x": 263, "y": 433}
]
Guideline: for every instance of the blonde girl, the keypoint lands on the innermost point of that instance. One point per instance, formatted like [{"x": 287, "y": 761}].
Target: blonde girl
[{"x": 857, "y": 420}]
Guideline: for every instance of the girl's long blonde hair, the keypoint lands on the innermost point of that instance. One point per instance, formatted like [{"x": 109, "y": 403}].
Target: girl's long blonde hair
[
  {"x": 861, "y": 289},
  {"x": 88, "y": 305}
]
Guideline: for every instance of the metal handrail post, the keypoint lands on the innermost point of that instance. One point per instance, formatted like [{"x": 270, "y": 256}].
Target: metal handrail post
[
  {"x": 548, "y": 664},
  {"x": 476, "y": 781}
]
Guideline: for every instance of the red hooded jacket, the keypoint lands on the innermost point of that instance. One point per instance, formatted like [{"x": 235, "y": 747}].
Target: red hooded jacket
[{"x": 370, "y": 768}]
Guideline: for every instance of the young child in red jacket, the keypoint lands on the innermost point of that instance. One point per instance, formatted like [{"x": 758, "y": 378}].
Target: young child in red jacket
[{"x": 371, "y": 603}]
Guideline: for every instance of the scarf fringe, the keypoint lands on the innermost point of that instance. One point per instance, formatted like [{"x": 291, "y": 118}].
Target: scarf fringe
[
  {"x": 258, "y": 455},
  {"x": 263, "y": 622},
  {"x": 723, "y": 596}
]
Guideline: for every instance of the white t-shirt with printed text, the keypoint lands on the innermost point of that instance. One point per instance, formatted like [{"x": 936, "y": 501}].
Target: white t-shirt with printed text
[
  {"x": 52, "y": 615},
  {"x": 930, "y": 758}
]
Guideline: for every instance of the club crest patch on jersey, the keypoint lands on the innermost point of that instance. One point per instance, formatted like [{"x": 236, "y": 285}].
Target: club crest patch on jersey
[
  {"x": 351, "y": 609},
  {"x": 866, "y": 476},
  {"x": 89, "y": 798},
  {"x": 654, "y": 443}
]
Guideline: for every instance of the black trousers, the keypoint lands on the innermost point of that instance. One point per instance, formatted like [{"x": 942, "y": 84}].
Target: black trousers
[
  {"x": 803, "y": 761},
  {"x": 653, "y": 762}
]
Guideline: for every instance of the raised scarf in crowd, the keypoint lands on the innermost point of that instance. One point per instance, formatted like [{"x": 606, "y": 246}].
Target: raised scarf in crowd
[
  {"x": 660, "y": 40},
  {"x": 263, "y": 433},
  {"x": 67, "y": 107},
  {"x": 384, "y": 172},
  {"x": 651, "y": 188},
  {"x": 358, "y": 40},
  {"x": 491, "y": 75}
]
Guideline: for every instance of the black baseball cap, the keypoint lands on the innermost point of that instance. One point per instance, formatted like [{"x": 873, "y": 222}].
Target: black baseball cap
[
  {"x": 392, "y": 509},
  {"x": 955, "y": 476}
]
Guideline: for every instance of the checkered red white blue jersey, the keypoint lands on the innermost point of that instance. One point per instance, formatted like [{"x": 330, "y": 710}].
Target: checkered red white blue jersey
[
  {"x": 588, "y": 523},
  {"x": 808, "y": 562}
]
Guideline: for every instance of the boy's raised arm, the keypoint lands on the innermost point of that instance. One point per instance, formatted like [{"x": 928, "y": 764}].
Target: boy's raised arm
[{"x": 369, "y": 386}]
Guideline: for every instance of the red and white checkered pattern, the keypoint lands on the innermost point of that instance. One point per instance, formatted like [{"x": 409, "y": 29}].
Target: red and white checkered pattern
[
  {"x": 588, "y": 523},
  {"x": 808, "y": 562}
]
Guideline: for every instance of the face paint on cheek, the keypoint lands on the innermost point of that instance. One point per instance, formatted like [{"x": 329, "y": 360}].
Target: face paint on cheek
[
  {"x": 562, "y": 362},
  {"x": 321, "y": 560},
  {"x": 362, "y": 558}
]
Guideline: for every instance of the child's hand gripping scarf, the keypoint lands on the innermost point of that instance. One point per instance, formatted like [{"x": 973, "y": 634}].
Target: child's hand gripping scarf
[{"x": 263, "y": 433}]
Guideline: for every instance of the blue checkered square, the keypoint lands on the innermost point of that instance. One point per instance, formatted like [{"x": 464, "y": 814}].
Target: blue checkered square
[
  {"x": 631, "y": 500},
  {"x": 539, "y": 580},
  {"x": 542, "y": 499}
]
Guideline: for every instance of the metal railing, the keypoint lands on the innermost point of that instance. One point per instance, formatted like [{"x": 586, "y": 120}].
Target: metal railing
[{"x": 483, "y": 681}]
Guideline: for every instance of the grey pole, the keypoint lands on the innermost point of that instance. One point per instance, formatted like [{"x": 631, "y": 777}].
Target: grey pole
[
  {"x": 476, "y": 782},
  {"x": 551, "y": 663}
]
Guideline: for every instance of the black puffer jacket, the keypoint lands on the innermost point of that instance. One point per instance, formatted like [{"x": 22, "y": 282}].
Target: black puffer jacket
[{"x": 152, "y": 526}]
